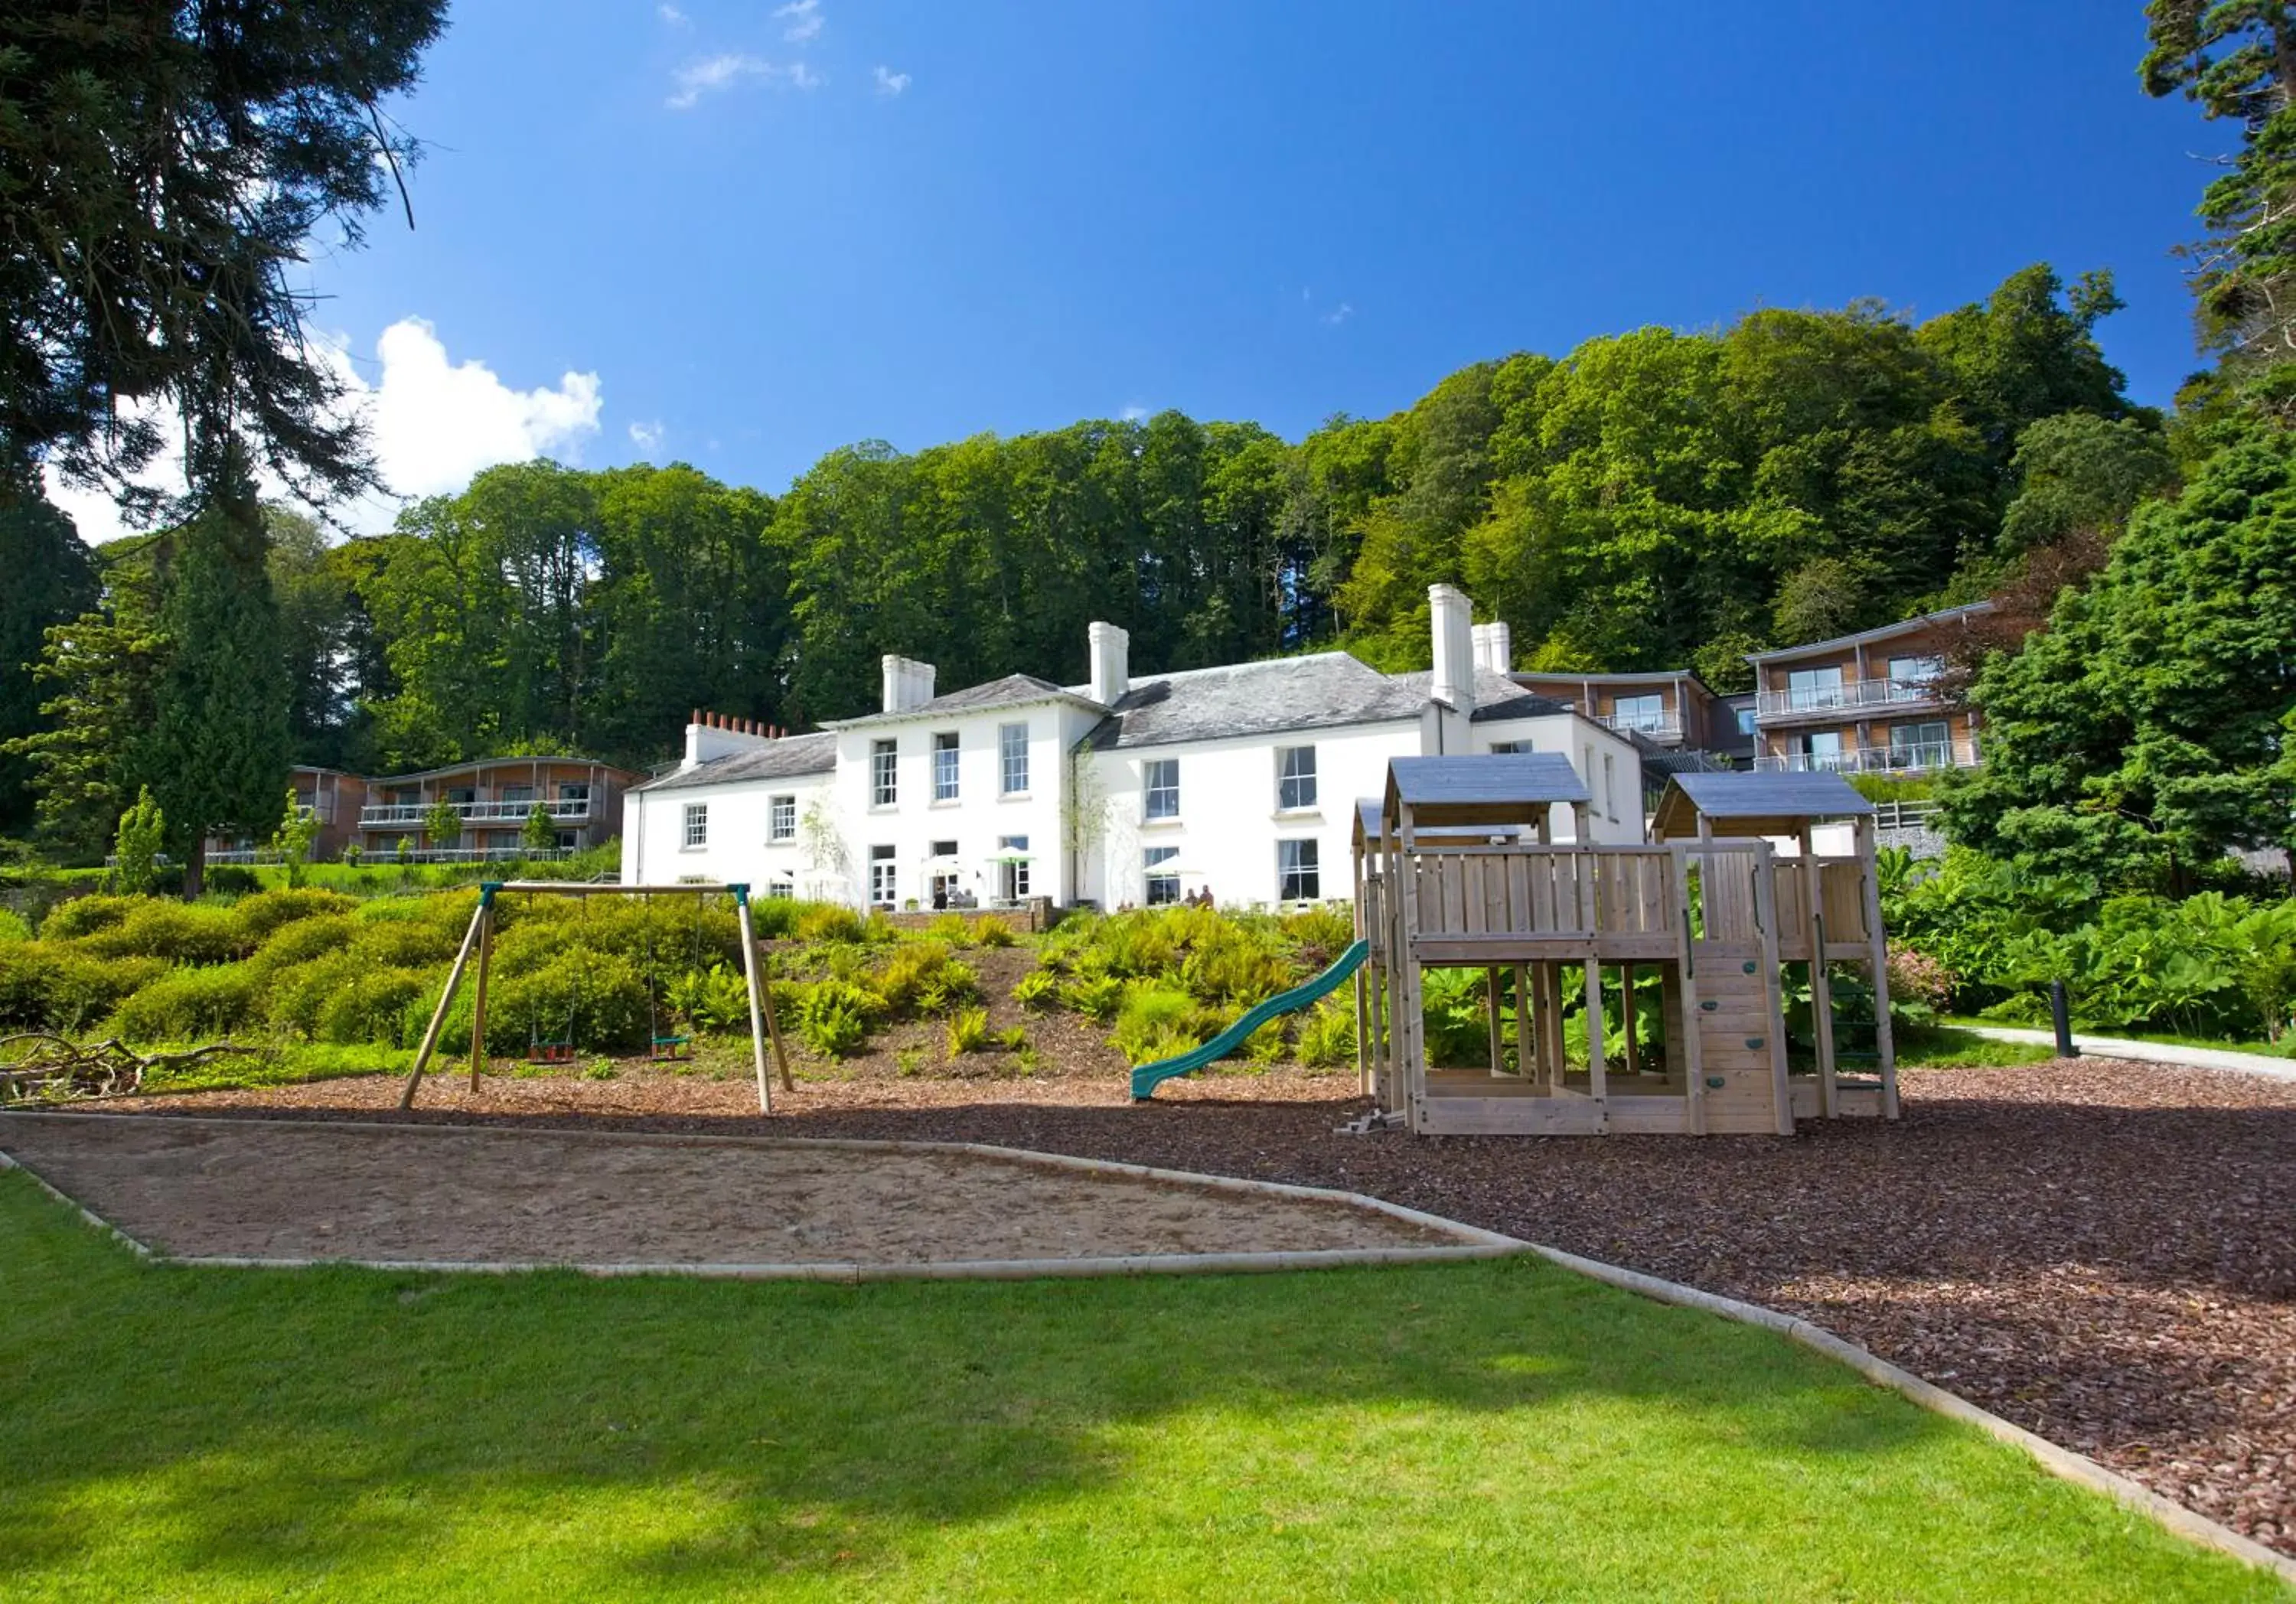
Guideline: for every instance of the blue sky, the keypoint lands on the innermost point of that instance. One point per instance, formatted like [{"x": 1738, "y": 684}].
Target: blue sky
[{"x": 741, "y": 234}]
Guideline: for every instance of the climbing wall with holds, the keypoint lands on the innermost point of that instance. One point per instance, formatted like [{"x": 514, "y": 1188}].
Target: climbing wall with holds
[{"x": 1738, "y": 1046}]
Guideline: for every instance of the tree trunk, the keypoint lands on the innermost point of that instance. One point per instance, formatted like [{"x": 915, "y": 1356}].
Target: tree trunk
[{"x": 196, "y": 867}]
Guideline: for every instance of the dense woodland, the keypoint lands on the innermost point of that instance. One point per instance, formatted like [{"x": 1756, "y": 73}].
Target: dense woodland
[{"x": 1649, "y": 499}]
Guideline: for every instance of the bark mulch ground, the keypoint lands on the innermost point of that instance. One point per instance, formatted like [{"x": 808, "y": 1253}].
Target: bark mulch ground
[{"x": 2099, "y": 1251}]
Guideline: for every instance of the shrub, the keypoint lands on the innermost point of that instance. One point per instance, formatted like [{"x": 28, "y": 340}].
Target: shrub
[
  {"x": 1266, "y": 1045},
  {"x": 1037, "y": 991},
  {"x": 230, "y": 879},
  {"x": 1920, "y": 986},
  {"x": 920, "y": 977},
  {"x": 378, "y": 1005},
  {"x": 179, "y": 932},
  {"x": 1012, "y": 1039},
  {"x": 298, "y": 994},
  {"x": 266, "y": 911},
  {"x": 879, "y": 929},
  {"x": 909, "y": 1061},
  {"x": 951, "y": 927},
  {"x": 49, "y": 985},
  {"x": 1323, "y": 932},
  {"x": 968, "y": 1031},
  {"x": 86, "y": 915},
  {"x": 1096, "y": 997},
  {"x": 305, "y": 939},
  {"x": 991, "y": 931},
  {"x": 13, "y": 927},
  {"x": 715, "y": 999},
  {"x": 1151, "y": 1019},
  {"x": 771, "y": 918},
  {"x": 599, "y": 1000},
  {"x": 833, "y": 1018},
  {"x": 407, "y": 943},
  {"x": 192, "y": 1004},
  {"x": 1327, "y": 1038},
  {"x": 828, "y": 921},
  {"x": 1232, "y": 969}
]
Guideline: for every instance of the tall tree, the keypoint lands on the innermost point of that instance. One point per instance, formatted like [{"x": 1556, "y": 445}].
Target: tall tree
[
  {"x": 217, "y": 749},
  {"x": 167, "y": 164},
  {"x": 51, "y": 579},
  {"x": 2237, "y": 60}
]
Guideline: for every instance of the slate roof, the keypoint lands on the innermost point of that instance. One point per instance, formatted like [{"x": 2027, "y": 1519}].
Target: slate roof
[
  {"x": 1501, "y": 778},
  {"x": 1764, "y": 802},
  {"x": 783, "y": 759},
  {"x": 1496, "y": 696},
  {"x": 1013, "y": 691},
  {"x": 1319, "y": 691}
]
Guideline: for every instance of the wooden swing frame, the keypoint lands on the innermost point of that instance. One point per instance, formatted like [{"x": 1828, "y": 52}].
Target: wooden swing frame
[{"x": 478, "y": 941}]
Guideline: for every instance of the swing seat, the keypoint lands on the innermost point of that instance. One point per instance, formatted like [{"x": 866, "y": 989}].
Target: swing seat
[
  {"x": 549, "y": 1053},
  {"x": 666, "y": 1047}
]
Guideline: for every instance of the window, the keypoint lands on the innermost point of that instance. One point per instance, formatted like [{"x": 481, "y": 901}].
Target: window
[
  {"x": 1915, "y": 671},
  {"x": 1815, "y": 687},
  {"x": 1013, "y": 867},
  {"x": 1644, "y": 713},
  {"x": 1819, "y": 752},
  {"x": 1162, "y": 888},
  {"x": 1295, "y": 783},
  {"x": 780, "y": 818},
  {"x": 697, "y": 824},
  {"x": 883, "y": 787},
  {"x": 1610, "y": 785},
  {"x": 1013, "y": 759},
  {"x": 944, "y": 766},
  {"x": 780, "y": 890},
  {"x": 880, "y": 876},
  {"x": 944, "y": 849},
  {"x": 1297, "y": 876},
  {"x": 1162, "y": 775},
  {"x": 518, "y": 793},
  {"x": 1745, "y": 721},
  {"x": 1506, "y": 748},
  {"x": 1928, "y": 744},
  {"x": 566, "y": 841},
  {"x": 573, "y": 790}
]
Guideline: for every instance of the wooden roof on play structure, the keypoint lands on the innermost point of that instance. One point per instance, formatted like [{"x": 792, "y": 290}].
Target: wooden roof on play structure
[
  {"x": 1497, "y": 789},
  {"x": 1760, "y": 803},
  {"x": 1368, "y": 822}
]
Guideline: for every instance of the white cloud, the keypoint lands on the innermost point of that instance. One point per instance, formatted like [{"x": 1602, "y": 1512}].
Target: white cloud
[
  {"x": 433, "y": 422},
  {"x": 890, "y": 82},
  {"x": 648, "y": 437},
  {"x": 674, "y": 16},
  {"x": 1339, "y": 314},
  {"x": 712, "y": 73},
  {"x": 804, "y": 21},
  {"x": 1133, "y": 413}
]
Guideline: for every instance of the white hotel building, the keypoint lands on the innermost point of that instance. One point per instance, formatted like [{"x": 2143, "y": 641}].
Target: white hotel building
[{"x": 1240, "y": 780}]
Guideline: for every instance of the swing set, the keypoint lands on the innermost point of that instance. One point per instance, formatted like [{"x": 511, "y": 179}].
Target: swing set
[{"x": 662, "y": 1044}]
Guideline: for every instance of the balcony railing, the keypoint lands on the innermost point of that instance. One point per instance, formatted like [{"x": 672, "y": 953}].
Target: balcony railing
[
  {"x": 563, "y": 810},
  {"x": 1658, "y": 726},
  {"x": 1850, "y": 696},
  {"x": 1905, "y": 758}
]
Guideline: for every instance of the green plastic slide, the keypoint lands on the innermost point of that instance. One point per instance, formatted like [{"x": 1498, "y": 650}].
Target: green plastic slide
[{"x": 1146, "y": 1078}]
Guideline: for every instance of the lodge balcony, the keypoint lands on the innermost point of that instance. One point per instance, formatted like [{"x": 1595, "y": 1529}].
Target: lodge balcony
[
  {"x": 1849, "y": 698},
  {"x": 1907, "y": 758},
  {"x": 1665, "y": 728},
  {"x": 563, "y": 810}
]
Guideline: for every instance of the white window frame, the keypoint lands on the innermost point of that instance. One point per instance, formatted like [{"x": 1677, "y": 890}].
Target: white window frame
[
  {"x": 1012, "y": 878},
  {"x": 1160, "y": 790},
  {"x": 1295, "y": 780},
  {"x": 884, "y": 877},
  {"x": 945, "y": 765},
  {"x": 781, "y": 817},
  {"x": 1013, "y": 760},
  {"x": 1504, "y": 749},
  {"x": 1160, "y": 890},
  {"x": 696, "y": 834},
  {"x": 1305, "y": 869},
  {"x": 885, "y": 773}
]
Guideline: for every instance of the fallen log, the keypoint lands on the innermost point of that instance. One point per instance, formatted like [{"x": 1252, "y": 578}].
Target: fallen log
[{"x": 41, "y": 1065}]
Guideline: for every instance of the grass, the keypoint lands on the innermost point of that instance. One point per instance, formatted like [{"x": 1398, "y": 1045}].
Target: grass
[
  {"x": 1951, "y": 1047},
  {"x": 1491, "y": 1430}
]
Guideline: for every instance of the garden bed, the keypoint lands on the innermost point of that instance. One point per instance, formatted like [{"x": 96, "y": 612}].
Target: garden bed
[
  {"x": 236, "y": 1188},
  {"x": 2098, "y": 1252}
]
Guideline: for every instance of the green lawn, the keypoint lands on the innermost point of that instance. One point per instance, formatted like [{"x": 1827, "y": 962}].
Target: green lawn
[
  {"x": 1500, "y": 1430},
  {"x": 1952, "y": 1047}
]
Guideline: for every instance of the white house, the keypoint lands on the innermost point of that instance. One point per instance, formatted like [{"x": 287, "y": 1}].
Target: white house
[{"x": 1240, "y": 780}]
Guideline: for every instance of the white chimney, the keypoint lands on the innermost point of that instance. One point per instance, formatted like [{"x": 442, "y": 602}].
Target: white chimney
[
  {"x": 908, "y": 684},
  {"x": 1111, "y": 662},
  {"x": 1495, "y": 648},
  {"x": 710, "y": 736},
  {"x": 1453, "y": 624}
]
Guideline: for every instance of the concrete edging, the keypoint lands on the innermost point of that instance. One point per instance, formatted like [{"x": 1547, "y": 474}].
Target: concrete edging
[
  {"x": 2059, "y": 1461},
  {"x": 2222, "y": 1060}
]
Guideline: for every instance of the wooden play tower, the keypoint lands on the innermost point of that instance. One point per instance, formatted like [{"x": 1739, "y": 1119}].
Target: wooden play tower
[{"x": 1732, "y": 907}]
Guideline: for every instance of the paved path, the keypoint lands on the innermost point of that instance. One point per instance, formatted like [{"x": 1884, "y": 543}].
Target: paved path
[{"x": 2150, "y": 1052}]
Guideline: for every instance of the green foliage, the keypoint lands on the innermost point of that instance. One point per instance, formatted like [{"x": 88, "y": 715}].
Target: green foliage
[
  {"x": 86, "y": 915},
  {"x": 538, "y": 835},
  {"x": 298, "y": 827},
  {"x": 1154, "y": 1022},
  {"x": 598, "y": 1001},
  {"x": 712, "y": 1000},
  {"x": 2146, "y": 730},
  {"x": 834, "y": 1017},
  {"x": 180, "y": 932},
  {"x": 442, "y": 825},
  {"x": 52, "y": 579},
  {"x": 192, "y": 1005},
  {"x": 1037, "y": 991},
  {"x": 1096, "y": 997},
  {"x": 952, "y": 929},
  {"x": 13, "y": 927},
  {"x": 990, "y": 931},
  {"x": 136, "y": 846},
  {"x": 828, "y": 921},
  {"x": 56, "y": 985},
  {"x": 266, "y": 912},
  {"x": 968, "y": 1031},
  {"x": 923, "y": 976},
  {"x": 1327, "y": 1038}
]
